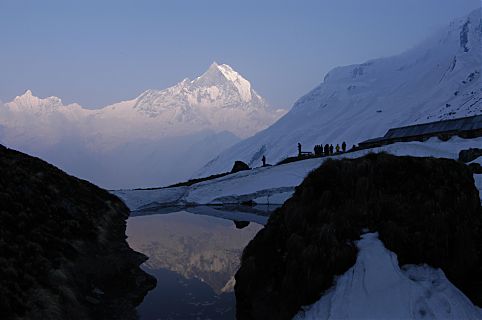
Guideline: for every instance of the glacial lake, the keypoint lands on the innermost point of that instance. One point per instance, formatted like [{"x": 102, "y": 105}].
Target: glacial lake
[{"x": 194, "y": 258}]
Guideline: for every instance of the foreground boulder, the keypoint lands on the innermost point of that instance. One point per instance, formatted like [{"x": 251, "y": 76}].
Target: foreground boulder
[
  {"x": 63, "y": 250},
  {"x": 425, "y": 210}
]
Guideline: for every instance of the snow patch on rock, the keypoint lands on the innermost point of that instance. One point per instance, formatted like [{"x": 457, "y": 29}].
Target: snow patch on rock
[{"x": 376, "y": 288}]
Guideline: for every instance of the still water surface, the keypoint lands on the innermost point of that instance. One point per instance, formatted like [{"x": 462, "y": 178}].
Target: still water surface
[{"x": 194, "y": 258}]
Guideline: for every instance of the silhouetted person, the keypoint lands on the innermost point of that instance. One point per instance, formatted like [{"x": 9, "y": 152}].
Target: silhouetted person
[
  {"x": 343, "y": 146},
  {"x": 299, "y": 149},
  {"x": 327, "y": 150},
  {"x": 318, "y": 150},
  {"x": 331, "y": 149},
  {"x": 337, "y": 148},
  {"x": 264, "y": 161}
]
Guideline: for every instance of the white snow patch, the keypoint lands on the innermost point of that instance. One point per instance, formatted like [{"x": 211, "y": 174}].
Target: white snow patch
[{"x": 376, "y": 288}]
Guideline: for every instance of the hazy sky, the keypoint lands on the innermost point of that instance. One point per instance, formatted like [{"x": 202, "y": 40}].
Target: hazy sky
[{"x": 99, "y": 52}]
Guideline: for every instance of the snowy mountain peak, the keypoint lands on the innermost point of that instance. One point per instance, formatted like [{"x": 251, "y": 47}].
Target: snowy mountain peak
[
  {"x": 26, "y": 96},
  {"x": 28, "y": 101},
  {"x": 214, "y": 65},
  {"x": 220, "y": 98},
  {"x": 212, "y": 76},
  {"x": 222, "y": 75},
  {"x": 28, "y": 92}
]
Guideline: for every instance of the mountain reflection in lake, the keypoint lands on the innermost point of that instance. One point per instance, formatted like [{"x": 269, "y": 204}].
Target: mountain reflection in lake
[{"x": 194, "y": 258}]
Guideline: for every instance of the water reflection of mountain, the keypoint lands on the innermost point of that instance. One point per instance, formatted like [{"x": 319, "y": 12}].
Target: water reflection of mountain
[{"x": 193, "y": 245}]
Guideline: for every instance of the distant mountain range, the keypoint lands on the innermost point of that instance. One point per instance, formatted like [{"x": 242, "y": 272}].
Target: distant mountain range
[
  {"x": 438, "y": 79},
  {"x": 160, "y": 137}
]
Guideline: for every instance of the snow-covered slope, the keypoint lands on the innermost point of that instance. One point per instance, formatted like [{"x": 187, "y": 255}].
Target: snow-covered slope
[
  {"x": 438, "y": 79},
  {"x": 160, "y": 137},
  {"x": 376, "y": 288},
  {"x": 273, "y": 185}
]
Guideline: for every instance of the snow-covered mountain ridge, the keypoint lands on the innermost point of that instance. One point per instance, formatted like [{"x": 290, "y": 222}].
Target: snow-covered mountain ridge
[
  {"x": 438, "y": 79},
  {"x": 146, "y": 141},
  {"x": 219, "y": 100}
]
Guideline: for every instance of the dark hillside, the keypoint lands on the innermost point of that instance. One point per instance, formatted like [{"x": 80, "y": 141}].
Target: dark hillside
[{"x": 63, "y": 253}]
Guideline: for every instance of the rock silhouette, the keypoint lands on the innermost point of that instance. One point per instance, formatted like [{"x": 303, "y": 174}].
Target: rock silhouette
[
  {"x": 426, "y": 210},
  {"x": 239, "y": 166}
]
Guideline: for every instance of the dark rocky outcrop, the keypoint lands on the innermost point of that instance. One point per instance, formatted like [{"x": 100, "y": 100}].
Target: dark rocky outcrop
[
  {"x": 239, "y": 166},
  {"x": 63, "y": 250},
  {"x": 469, "y": 155},
  {"x": 426, "y": 210},
  {"x": 475, "y": 168},
  {"x": 240, "y": 224}
]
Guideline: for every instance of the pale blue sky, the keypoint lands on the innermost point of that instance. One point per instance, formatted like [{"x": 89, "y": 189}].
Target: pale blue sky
[{"x": 99, "y": 52}]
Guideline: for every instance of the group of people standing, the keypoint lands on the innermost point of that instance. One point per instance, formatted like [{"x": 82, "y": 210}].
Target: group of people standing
[
  {"x": 328, "y": 149},
  {"x": 319, "y": 151}
]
